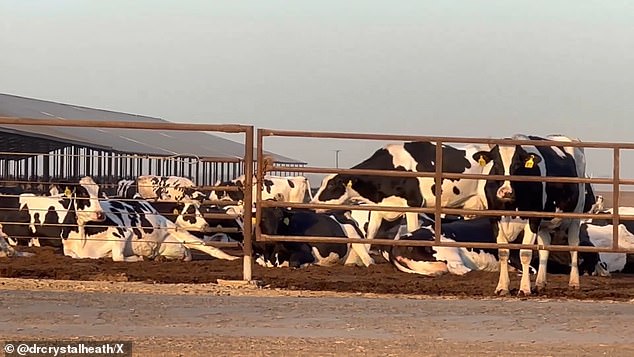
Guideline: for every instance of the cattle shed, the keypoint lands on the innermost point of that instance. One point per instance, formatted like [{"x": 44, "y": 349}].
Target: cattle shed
[{"x": 44, "y": 153}]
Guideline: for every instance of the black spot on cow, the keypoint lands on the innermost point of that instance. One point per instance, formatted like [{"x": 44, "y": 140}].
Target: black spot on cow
[
  {"x": 456, "y": 190},
  {"x": 117, "y": 205},
  {"x": 268, "y": 185}
]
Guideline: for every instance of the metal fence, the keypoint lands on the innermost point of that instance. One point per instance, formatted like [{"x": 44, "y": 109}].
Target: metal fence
[
  {"x": 262, "y": 165},
  {"x": 438, "y": 175},
  {"x": 61, "y": 161}
]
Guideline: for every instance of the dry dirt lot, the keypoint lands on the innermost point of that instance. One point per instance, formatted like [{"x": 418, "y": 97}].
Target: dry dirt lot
[
  {"x": 176, "y": 308},
  {"x": 209, "y": 320}
]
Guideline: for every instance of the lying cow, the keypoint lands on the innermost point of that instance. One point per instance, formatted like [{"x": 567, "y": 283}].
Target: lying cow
[
  {"x": 286, "y": 189},
  {"x": 134, "y": 230},
  {"x": 406, "y": 191},
  {"x": 235, "y": 223},
  {"x": 282, "y": 221},
  {"x": 26, "y": 216},
  {"x": 600, "y": 232},
  {"x": 173, "y": 197},
  {"x": 433, "y": 260},
  {"x": 159, "y": 188}
]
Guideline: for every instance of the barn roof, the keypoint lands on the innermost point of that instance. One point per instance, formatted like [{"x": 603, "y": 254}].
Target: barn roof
[{"x": 19, "y": 138}]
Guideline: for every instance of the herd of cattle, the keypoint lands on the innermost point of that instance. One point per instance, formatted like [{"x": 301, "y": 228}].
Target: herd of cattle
[{"x": 154, "y": 216}]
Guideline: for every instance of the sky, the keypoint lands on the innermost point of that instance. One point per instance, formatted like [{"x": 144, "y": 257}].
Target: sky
[{"x": 445, "y": 68}]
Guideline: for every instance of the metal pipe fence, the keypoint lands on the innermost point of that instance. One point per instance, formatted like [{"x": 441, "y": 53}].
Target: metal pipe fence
[
  {"x": 82, "y": 158},
  {"x": 255, "y": 169},
  {"x": 438, "y": 175}
]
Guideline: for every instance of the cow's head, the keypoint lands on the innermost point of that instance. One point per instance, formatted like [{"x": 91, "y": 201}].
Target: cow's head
[
  {"x": 189, "y": 217},
  {"x": 222, "y": 195},
  {"x": 86, "y": 196},
  {"x": 334, "y": 189},
  {"x": 508, "y": 160},
  {"x": 273, "y": 219}
]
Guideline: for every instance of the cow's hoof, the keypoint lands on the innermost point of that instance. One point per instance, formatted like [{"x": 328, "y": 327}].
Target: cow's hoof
[
  {"x": 501, "y": 292},
  {"x": 540, "y": 289},
  {"x": 574, "y": 287},
  {"x": 523, "y": 293}
]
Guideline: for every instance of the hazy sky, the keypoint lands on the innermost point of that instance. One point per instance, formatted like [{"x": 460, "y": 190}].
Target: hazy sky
[{"x": 450, "y": 68}]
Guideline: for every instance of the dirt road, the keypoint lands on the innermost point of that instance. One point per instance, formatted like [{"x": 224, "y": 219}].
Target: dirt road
[{"x": 207, "y": 319}]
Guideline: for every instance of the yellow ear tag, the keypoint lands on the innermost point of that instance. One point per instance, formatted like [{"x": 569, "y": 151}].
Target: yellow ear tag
[
  {"x": 68, "y": 192},
  {"x": 482, "y": 161},
  {"x": 175, "y": 210},
  {"x": 286, "y": 221},
  {"x": 349, "y": 184},
  {"x": 253, "y": 221},
  {"x": 529, "y": 163}
]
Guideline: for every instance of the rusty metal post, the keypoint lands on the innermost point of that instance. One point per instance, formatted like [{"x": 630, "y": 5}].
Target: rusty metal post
[
  {"x": 438, "y": 191},
  {"x": 616, "y": 174},
  {"x": 260, "y": 178},
  {"x": 248, "y": 203}
]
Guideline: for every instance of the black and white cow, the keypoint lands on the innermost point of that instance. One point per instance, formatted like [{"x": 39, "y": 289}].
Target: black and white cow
[
  {"x": 283, "y": 221},
  {"x": 235, "y": 223},
  {"x": 160, "y": 188},
  {"x": 286, "y": 189},
  {"x": 601, "y": 236},
  {"x": 52, "y": 218},
  {"x": 185, "y": 214},
  {"x": 599, "y": 231},
  {"x": 134, "y": 230},
  {"x": 545, "y": 161},
  {"x": 406, "y": 191},
  {"x": 432, "y": 260},
  {"x": 173, "y": 196}
]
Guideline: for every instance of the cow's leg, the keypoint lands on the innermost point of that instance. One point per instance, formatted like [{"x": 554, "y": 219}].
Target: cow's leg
[
  {"x": 118, "y": 249},
  {"x": 193, "y": 242},
  {"x": 525, "y": 259},
  {"x": 412, "y": 221},
  {"x": 543, "y": 238},
  {"x": 361, "y": 251},
  {"x": 503, "y": 253},
  {"x": 573, "y": 241},
  {"x": 374, "y": 222}
]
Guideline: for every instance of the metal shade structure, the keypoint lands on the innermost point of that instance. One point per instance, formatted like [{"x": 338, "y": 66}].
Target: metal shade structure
[{"x": 109, "y": 154}]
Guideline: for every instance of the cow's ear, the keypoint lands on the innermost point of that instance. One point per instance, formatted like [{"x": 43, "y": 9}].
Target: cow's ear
[
  {"x": 217, "y": 183},
  {"x": 482, "y": 157},
  {"x": 530, "y": 160}
]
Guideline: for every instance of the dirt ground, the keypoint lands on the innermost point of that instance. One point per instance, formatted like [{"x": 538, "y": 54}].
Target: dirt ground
[
  {"x": 213, "y": 320},
  {"x": 183, "y": 309},
  {"x": 380, "y": 278}
]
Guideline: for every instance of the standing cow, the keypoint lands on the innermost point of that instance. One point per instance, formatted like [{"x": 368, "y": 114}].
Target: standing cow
[
  {"x": 406, "y": 191},
  {"x": 545, "y": 161}
]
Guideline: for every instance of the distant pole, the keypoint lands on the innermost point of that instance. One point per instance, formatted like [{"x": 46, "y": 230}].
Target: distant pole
[{"x": 337, "y": 158}]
